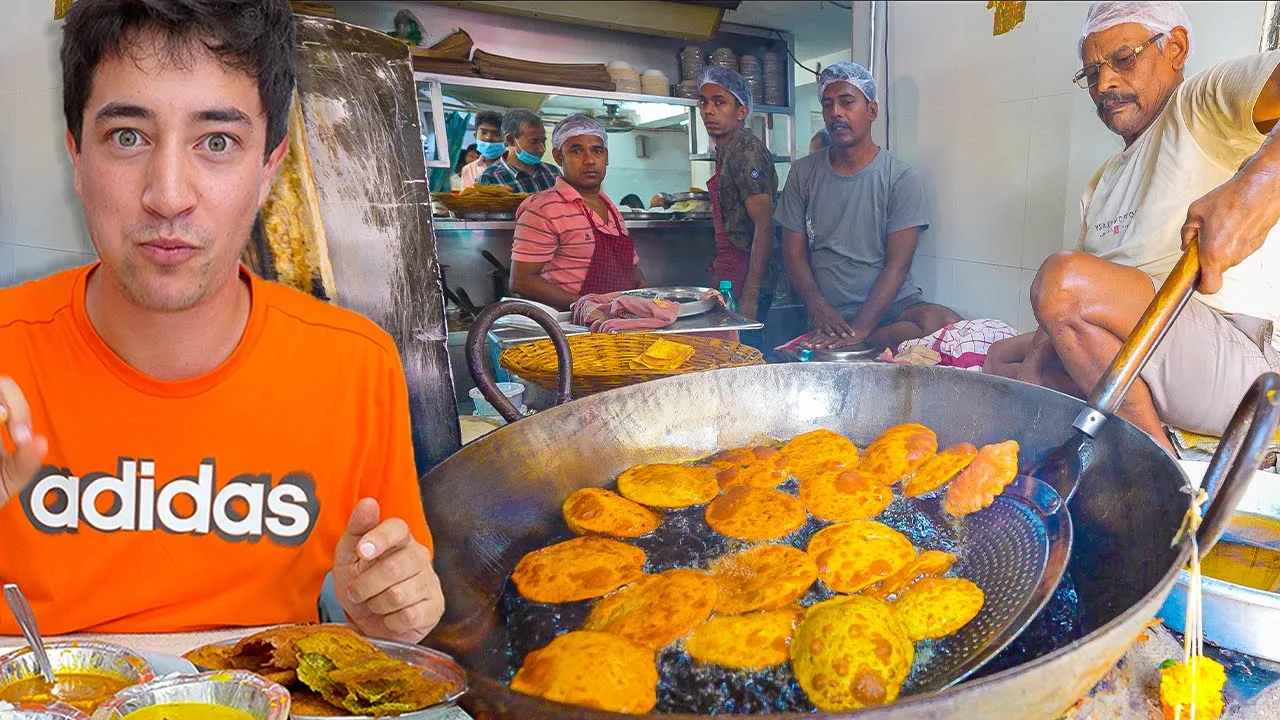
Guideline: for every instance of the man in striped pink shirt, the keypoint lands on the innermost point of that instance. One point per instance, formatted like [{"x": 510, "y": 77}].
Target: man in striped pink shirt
[{"x": 570, "y": 239}]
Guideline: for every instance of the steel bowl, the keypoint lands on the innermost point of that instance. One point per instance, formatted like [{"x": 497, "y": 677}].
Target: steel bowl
[
  {"x": 239, "y": 689},
  {"x": 91, "y": 658},
  {"x": 52, "y": 711}
]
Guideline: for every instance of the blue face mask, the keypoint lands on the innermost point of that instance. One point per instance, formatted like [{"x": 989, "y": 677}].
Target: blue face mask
[
  {"x": 527, "y": 157},
  {"x": 490, "y": 150}
]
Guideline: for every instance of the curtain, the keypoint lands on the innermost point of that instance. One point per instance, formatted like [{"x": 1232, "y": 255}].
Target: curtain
[{"x": 455, "y": 129}]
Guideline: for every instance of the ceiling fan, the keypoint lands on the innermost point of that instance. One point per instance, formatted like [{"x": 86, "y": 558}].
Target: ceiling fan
[{"x": 614, "y": 121}]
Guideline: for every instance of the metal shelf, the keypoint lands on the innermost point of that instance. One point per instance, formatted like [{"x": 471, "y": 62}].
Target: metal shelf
[{"x": 479, "y": 82}]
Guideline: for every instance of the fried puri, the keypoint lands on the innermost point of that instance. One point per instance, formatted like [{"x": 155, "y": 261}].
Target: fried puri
[
  {"x": 745, "y": 642},
  {"x": 592, "y": 669},
  {"x": 937, "y": 607},
  {"x": 752, "y": 514},
  {"x": 851, "y": 652},
  {"x": 852, "y": 555},
  {"x": 930, "y": 563},
  {"x": 939, "y": 469},
  {"x": 819, "y": 450},
  {"x": 668, "y": 486},
  {"x": 986, "y": 477},
  {"x": 656, "y": 610},
  {"x": 577, "y": 569},
  {"x": 897, "y": 452},
  {"x": 841, "y": 494},
  {"x": 758, "y": 467},
  {"x": 595, "y": 511},
  {"x": 765, "y": 577}
]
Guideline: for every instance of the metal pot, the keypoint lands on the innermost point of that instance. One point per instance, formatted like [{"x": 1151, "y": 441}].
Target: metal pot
[{"x": 499, "y": 498}]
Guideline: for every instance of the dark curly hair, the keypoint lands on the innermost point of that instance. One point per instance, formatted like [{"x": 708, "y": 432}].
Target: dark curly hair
[{"x": 251, "y": 36}]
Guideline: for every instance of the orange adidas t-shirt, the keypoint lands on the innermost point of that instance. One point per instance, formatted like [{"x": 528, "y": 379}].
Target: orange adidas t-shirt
[{"x": 211, "y": 502}]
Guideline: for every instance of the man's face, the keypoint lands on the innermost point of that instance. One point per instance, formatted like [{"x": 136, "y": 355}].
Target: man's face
[
  {"x": 583, "y": 159},
  {"x": 532, "y": 139},
  {"x": 1128, "y": 101},
  {"x": 489, "y": 133},
  {"x": 848, "y": 114},
  {"x": 171, "y": 172},
  {"x": 721, "y": 112}
]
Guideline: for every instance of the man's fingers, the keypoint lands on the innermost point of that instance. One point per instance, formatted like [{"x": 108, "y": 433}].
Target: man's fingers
[
  {"x": 1210, "y": 281},
  {"x": 352, "y": 546},
  {"x": 15, "y": 414},
  {"x": 418, "y": 618},
  {"x": 391, "y": 569},
  {"x": 390, "y": 534},
  {"x": 406, "y": 593}
]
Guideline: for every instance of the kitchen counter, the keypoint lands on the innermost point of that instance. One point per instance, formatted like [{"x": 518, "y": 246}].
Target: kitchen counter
[
  {"x": 718, "y": 320},
  {"x": 447, "y": 224}
]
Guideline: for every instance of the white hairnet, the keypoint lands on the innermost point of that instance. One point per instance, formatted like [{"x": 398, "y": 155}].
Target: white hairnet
[
  {"x": 731, "y": 81},
  {"x": 576, "y": 125},
  {"x": 852, "y": 73},
  {"x": 1158, "y": 17}
]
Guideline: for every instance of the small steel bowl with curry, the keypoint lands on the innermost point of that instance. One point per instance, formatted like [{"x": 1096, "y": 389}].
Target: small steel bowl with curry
[{"x": 86, "y": 674}]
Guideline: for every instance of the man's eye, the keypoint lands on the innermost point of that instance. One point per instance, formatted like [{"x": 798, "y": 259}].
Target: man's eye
[
  {"x": 217, "y": 143},
  {"x": 127, "y": 138}
]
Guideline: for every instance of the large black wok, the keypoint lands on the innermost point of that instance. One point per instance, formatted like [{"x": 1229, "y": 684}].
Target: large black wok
[{"x": 500, "y": 498}]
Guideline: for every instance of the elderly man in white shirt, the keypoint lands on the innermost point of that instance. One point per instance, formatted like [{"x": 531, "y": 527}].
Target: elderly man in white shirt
[{"x": 1200, "y": 161}]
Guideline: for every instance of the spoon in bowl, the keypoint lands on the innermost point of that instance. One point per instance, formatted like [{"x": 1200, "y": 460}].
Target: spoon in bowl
[{"x": 21, "y": 610}]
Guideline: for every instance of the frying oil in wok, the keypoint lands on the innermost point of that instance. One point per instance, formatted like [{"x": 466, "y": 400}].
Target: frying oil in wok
[{"x": 684, "y": 540}]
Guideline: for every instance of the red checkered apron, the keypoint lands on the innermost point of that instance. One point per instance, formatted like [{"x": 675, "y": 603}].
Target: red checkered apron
[
  {"x": 731, "y": 262},
  {"x": 612, "y": 267}
]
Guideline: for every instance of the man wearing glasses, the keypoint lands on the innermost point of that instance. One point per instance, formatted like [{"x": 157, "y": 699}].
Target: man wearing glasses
[{"x": 1199, "y": 162}]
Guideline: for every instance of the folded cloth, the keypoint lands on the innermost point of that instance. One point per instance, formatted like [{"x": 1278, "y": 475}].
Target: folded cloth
[
  {"x": 913, "y": 355},
  {"x": 662, "y": 355},
  {"x": 616, "y": 312},
  {"x": 963, "y": 344},
  {"x": 794, "y": 343}
]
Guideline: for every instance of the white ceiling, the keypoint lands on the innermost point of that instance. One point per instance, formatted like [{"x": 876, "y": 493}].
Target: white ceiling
[{"x": 820, "y": 27}]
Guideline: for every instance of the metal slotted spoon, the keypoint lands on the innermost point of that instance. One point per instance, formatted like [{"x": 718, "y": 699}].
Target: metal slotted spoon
[{"x": 1017, "y": 549}]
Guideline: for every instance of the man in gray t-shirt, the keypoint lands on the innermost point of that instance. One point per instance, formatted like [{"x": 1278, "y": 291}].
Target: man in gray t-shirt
[{"x": 851, "y": 216}]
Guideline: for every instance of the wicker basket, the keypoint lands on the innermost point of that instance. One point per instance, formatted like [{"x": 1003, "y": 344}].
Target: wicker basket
[{"x": 602, "y": 361}]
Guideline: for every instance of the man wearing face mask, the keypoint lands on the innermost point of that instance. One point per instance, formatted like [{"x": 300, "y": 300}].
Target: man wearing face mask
[
  {"x": 851, "y": 215},
  {"x": 488, "y": 143},
  {"x": 1199, "y": 163},
  {"x": 570, "y": 240},
  {"x": 521, "y": 168}
]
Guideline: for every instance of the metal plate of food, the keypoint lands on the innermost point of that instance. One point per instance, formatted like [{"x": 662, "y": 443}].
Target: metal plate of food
[
  {"x": 841, "y": 355},
  {"x": 690, "y": 195},
  {"x": 486, "y": 216},
  {"x": 690, "y": 299},
  {"x": 426, "y": 680}
]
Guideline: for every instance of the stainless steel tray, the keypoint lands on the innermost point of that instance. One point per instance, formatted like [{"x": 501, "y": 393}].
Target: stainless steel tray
[
  {"x": 689, "y": 298},
  {"x": 681, "y": 196},
  {"x": 486, "y": 216},
  {"x": 434, "y": 664},
  {"x": 855, "y": 355}
]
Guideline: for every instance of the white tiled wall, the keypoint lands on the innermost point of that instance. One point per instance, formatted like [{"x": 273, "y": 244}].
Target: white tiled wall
[
  {"x": 41, "y": 224},
  {"x": 1003, "y": 140}
]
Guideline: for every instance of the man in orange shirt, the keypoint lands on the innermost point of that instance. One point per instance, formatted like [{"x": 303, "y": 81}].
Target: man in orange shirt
[{"x": 190, "y": 447}]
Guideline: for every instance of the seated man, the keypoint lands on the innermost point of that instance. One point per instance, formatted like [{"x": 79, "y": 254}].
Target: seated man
[
  {"x": 488, "y": 143},
  {"x": 570, "y": 240},
  {"x": 188, "y": 446},
  {"x": 851, "y": 215},
  {"x": 1196, "y": 165},
  {"x": 521, "y": 168}
]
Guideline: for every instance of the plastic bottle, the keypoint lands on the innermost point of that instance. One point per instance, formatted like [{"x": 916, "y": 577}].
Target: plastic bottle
[{"x": 726, "y": 289}]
